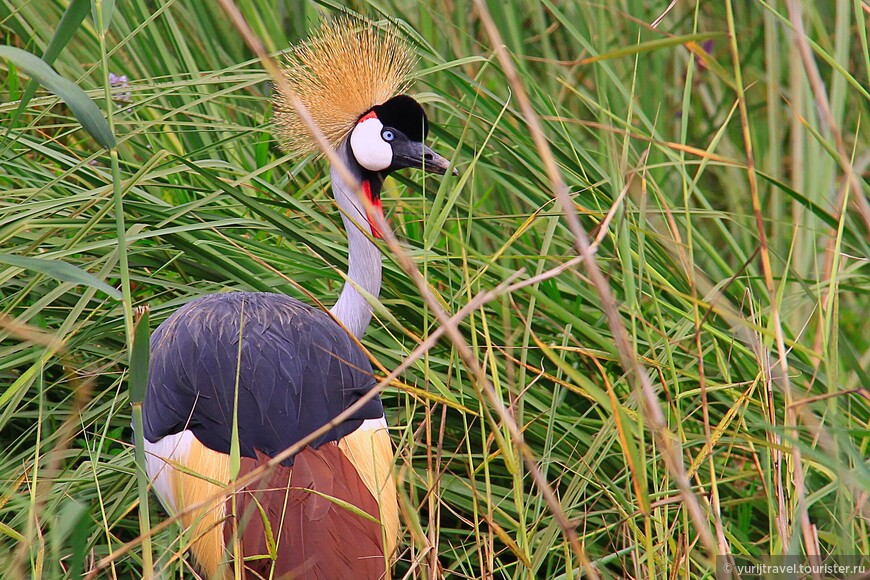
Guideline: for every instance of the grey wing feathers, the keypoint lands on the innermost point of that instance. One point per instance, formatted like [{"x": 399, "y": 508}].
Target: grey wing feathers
[{"x": 298, "y": 370}]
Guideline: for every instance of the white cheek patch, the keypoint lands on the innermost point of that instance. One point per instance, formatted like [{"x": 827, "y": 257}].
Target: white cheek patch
[{"x": 369, "y": 148}]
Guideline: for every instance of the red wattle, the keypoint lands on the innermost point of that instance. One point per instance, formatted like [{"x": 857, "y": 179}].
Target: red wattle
[{"x": 377, "y": 207}]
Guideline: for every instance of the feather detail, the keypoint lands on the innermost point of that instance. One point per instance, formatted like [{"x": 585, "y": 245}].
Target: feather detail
[
  {"x": 203, "y": 467},
  {"x": 298, "y": 370},
  {"x": 295, "y": 522},
  {"x": 370, "y": 451},
  {"x": 343, "y": 71}
]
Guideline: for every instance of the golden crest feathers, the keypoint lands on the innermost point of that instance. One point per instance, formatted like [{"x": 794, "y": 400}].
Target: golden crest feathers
[{"x": 344, "y": 70}]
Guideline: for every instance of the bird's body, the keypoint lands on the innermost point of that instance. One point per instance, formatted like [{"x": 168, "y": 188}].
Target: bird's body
[
  {"x": 280, "y": 369},
  {"x": 242, "y": 354},
  {"x": 267, "y": 370}
]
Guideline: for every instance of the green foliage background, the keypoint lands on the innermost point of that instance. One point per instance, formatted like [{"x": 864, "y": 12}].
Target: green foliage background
[{"x": 762, "y": 383}]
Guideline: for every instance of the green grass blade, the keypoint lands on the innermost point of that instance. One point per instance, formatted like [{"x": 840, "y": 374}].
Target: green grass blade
[
  {"x": 87, "y": 113},
  {"x": 60, "y": 271},
  {"x": 72, "y": 18}
]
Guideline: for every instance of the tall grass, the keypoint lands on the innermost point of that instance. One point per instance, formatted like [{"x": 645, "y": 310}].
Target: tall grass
[{"x": 716, "y": 154}]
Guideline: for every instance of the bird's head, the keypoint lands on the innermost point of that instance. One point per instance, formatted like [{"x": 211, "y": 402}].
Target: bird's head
[
  {"x": 390, "y": 137},
  {"x": 351, "y": 77}
]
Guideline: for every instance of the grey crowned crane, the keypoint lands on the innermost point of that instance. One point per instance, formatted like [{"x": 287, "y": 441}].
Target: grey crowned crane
[{"x": 283, "y": 369}]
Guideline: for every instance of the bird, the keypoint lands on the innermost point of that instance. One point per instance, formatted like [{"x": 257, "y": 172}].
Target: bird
[{"x": 274, "y": 369}]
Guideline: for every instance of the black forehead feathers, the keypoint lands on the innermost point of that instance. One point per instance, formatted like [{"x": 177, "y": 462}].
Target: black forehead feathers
[{"x": 406, "y": 115}]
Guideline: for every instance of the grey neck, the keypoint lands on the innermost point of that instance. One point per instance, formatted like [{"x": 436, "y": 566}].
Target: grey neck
[{"x": 364, "y": 261}]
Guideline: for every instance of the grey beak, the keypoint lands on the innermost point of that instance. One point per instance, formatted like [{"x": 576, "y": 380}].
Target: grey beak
[
  {"x": 418, "y": 155},
  {"x": 436, "y": 163}
]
